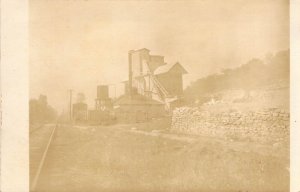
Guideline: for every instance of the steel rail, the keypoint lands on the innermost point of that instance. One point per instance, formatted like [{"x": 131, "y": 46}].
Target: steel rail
[{"x": 40, "y": 167}]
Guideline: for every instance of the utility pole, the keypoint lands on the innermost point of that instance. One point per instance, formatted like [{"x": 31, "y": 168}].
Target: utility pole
[
  {"x": 71, "y": 104},
  {"x": 115, "y": 91},
  {"x": 130, "y": 73}
]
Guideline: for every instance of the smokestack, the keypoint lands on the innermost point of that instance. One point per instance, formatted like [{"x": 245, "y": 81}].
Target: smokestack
[{"x": 130, "y": 72}]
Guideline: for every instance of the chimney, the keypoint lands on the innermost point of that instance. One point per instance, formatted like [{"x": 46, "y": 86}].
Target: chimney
[{"x": 130, "y": 72}]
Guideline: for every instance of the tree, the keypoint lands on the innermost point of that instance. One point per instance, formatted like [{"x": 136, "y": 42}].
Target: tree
[
  {"x": 251, "y": 75},
  {"x": 40, "y": 111}
]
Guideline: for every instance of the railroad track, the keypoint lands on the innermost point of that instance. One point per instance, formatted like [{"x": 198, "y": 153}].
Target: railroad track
[{"x": 42, "y": 161}]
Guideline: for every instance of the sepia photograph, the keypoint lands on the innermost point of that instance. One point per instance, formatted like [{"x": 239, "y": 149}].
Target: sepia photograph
[{"x": 159, "y": 95}]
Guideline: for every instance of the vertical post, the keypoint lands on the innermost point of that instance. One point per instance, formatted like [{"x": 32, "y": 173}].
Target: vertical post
[
  {"x": 149, "y": 84},
  {"x": 130, "y": 73},
  {"x": 115, "y": 91},
  {"x": 71, "y": 105}
]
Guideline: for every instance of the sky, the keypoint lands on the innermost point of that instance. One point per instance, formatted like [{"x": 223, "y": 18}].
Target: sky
[{"x": 79, "y": 44}]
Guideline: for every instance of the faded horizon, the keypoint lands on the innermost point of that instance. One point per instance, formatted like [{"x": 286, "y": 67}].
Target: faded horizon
[{"x": 82, "y": 44}]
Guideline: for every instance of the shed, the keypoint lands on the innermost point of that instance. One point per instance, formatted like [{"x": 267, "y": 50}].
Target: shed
[{"x": 137, "y": 108}]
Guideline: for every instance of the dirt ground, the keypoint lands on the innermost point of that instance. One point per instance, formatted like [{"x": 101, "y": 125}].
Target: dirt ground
[{"x": 122, "y": 158}]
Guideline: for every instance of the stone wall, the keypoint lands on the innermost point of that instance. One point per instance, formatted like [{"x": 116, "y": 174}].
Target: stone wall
[{"x": 265, "y": 125}]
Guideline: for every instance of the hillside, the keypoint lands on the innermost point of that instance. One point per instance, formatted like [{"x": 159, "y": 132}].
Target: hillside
[{"x": 257, "y": 82}]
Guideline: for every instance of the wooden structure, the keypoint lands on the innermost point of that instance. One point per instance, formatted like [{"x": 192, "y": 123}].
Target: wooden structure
[
  {"x": 102, "y": 114},
  {"x": 155, "y": 79},
  {"x": 137, "y": 108}
]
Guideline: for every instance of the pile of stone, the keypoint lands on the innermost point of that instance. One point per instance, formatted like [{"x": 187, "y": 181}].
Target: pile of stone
[{"x": 265, "y": 125}]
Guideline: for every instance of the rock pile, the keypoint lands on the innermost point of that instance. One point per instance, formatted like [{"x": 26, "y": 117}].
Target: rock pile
[{"x": 266, "y": 125}]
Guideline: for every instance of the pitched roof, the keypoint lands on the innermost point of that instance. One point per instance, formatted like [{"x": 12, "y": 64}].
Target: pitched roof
[
  {"x": 136, "y": 99},
  {"x": 143, "y": 49},
  {"x": 166, "y": 68}
]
